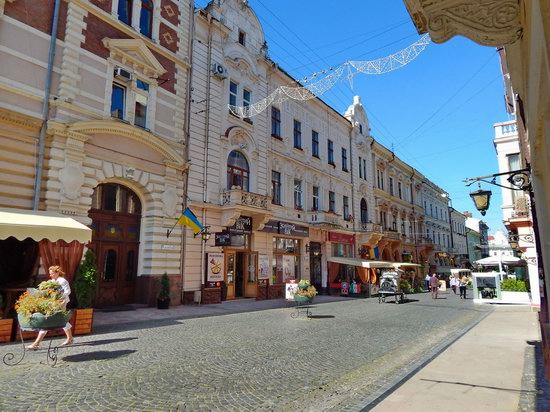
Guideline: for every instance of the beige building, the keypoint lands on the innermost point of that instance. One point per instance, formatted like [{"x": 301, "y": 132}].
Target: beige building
[
  {"x": 98, "y": 132},
  {"x": 521, "y": 28}
]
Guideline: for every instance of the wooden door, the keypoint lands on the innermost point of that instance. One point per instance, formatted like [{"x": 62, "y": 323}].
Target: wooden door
[
  {"x": 230, "y": 272},
  {"x": 108, "y": 263},
  {"x": 250, "y": 272}
]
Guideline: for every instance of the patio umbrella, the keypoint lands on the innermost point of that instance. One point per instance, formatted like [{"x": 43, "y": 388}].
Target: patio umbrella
[{"x": 495, "y": 260}]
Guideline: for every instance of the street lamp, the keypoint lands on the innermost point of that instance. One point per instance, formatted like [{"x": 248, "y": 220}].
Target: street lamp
[
  {"x": 205, "y": 234},
  {"x": 481, "y": 199}
]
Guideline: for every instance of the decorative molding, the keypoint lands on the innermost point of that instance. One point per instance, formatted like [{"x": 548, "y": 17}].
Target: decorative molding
[
  {"x": 134, "y": 53},
  {"x": 18, "y": 119},
  {"x": 490, "y": 22},
  {"x": 72, "y": 179}
]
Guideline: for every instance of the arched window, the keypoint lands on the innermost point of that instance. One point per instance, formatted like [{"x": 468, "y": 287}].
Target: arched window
[
  {"x": 364, "y": 211},
  {"x": 115, "y": 198},
  {"x": 237, "y": 171}
]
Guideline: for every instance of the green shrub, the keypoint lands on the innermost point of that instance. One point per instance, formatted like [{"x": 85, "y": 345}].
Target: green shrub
[
  {"x": 85, "y": 281},
  {"x": 164, "y": 289},
  {"x": 404, "y": 285},
  {"x": 513, "y": 285}
]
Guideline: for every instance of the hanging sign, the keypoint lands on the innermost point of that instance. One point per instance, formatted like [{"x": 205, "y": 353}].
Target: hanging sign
[
  {"x": 214, "y": 265},
  {"x": 243, "y": 224},
  {"x": 222, "y": 239}
]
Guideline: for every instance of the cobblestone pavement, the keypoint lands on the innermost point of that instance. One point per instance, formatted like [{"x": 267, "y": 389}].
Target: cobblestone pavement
[{"x": 257, "y": 361}]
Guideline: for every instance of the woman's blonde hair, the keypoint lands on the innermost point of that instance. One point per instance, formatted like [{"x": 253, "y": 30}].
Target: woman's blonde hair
[{"x": 57, "y": 269}]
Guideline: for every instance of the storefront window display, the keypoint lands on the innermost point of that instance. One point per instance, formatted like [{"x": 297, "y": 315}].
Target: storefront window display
[
  {"x": 342, "y": 250},
  {"x": 286, "y": 260}
]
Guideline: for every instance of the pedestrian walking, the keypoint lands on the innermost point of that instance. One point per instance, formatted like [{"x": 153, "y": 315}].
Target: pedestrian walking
[
  {"x": 462, "y": 284},
  {"x": 453, "y": 282},
  {"x": 427, "y": 280},
  {"x": 434, "y": 285},
  {"x": 57, "y": 275}
]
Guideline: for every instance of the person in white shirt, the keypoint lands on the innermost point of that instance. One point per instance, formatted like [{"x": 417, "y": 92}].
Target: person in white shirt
[
  {"x": 427, "y": 280},
  {"x": 57, "y": 275},
  {"x": 454, "y": 283}
]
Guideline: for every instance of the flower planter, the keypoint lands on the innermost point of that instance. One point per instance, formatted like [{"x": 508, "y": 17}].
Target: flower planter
[
  {"x": 82, "y": 321},
  {"x": 39, "y": 321},
  {"x": 6, "y": 326},
  {"x": 302, "y": 299}
]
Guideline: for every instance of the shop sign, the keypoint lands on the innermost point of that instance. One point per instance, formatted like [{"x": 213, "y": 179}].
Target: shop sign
[
  {"x": 222, "y": 239},
  {"x": 341, "y": 238},
  {"x": 286, "y": 229},
  {"x": 263, "y": 263},
  {"x": 243, "y": 224},
  {"x": 290, "y": 289},
  {"x": 215, "y": 267}
]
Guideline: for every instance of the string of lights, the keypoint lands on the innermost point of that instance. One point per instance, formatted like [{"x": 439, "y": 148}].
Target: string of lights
[{"x": 313, "y": 88}]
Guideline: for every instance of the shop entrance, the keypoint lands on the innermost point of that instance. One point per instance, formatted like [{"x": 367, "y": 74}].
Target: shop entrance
[
  {"x": 241, "y": 273},
  {"x": 315, "y": 265}
]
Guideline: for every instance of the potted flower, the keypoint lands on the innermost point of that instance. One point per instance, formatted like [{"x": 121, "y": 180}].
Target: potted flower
[
  {"x": 43, "y": 307},
  {"x": 163, "y": 298},
  {"x": 85, "y": 290},
  {"x": 305, "y": 292}
]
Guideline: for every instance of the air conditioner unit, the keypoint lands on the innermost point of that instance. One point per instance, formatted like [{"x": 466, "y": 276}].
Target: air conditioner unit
[
  {"x": 123, "y": 74},
  {"x": 219, "y": 71}
]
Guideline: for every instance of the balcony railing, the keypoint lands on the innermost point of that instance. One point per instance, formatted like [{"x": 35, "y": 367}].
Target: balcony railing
[
  {"x": 320, "y": 217},
  {"x": 392, "y": 234},
  {"x": 243, "y": 198},
  {"x": 370, "y": 227}
]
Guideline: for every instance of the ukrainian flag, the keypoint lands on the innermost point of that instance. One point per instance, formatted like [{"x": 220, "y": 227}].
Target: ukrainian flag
[{"x": 188, "y": 218}]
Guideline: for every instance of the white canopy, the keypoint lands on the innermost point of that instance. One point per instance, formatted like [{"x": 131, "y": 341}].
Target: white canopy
[
  {"x": 360, "y": 262},
  {"x": 38, "y": 225},
  {"x": 504, "y": 260}
]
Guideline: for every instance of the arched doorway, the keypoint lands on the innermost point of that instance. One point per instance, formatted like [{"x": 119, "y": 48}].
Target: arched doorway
[{"x": 116, "y": 216}]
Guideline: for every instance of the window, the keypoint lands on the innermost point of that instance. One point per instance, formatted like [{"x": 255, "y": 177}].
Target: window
[
  {"x": 297, "y": 194},
  {"x": 297, "y": 134},
  {"x": 115, "y": 198},
  {"x": 246, "y": 97},
  {"x": 315, "y": 143},
  {"x": 364, "y": 169},
  {"x": 360, "y": 167},
  {"x": 275, "y": 187},
  {"x": 233, "y": 93},
  {"x": 391, "y": 185},
  {"x": 125, "y": 11},
  {"x": 344, "y": 159},
  {"x": 514, "y": 164},
  {"x": 315, "y": 199},
  {"x": 146, "y": 18},
  {"x": 380, "y": 179},
  {"x": 399, "y": 190},
  {"x": 275, "y": 122},
  {"x": 345, "y": 202},
  {"x": 331, "y": 153},
  {"x": 142, "y": 96},
  {"x": 360, "y": 128},
  {"x": 237, "y": 171},
  {"x": 364, "y": 211},
  {"x": 118, "y": 98},
  {"x": 242, "y": 37},
  {"x": 331, "y": 202},
  {"x": 394, "y": 223}
]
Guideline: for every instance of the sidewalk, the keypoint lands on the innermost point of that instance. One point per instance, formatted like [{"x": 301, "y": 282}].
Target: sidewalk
[{"x": 490, "y": 368}]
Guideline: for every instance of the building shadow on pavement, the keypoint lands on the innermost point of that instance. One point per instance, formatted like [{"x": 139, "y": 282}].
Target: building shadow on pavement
[
  {"x": 471, "y": 385},
  {"x": 98, "y": 355}
]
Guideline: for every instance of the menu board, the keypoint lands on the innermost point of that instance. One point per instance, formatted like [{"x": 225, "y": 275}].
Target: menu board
[{"x": 214, "y": 266}]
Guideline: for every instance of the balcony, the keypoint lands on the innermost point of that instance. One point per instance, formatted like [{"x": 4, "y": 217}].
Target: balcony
[
  {"x": 319, "y": 217},
  {"x": 238, "y": 202},
  {"x": 391, "y": 234},
  {"x": 370, "y": 227},
  {"x": 243, "y": 198}
]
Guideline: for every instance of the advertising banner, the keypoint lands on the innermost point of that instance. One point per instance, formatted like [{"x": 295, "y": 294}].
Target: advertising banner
[
  {"x": 263, "y": 263},
  {"x": 214, "y": 265}
]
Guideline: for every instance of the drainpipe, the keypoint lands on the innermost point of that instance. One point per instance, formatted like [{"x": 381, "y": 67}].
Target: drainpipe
[
  {"x": 205, "y": 158},
  {"x": 45, "y": 108},
  {"x": 186, "y": 131}
]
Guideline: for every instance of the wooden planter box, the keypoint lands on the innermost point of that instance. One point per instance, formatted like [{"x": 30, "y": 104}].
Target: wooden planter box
[
  {"x": 6, "y": 326},
  {"x": 82, "y": 321}
]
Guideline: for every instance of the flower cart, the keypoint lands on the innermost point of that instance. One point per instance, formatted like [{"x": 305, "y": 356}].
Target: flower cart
[
  {"x": 390, "y": 285},
  {"x": 303, "y": 297},
  {"x": 40, "y": 309}
]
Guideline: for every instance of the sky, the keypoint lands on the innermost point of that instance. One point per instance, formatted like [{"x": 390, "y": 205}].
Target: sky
[{"x": 437, "y": 112}]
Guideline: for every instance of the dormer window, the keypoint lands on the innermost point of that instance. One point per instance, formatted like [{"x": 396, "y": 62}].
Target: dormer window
[{"x": 242, "y": 37}]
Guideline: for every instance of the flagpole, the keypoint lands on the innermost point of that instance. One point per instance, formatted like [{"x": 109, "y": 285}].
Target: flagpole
[{"x": 169, "y": 231}]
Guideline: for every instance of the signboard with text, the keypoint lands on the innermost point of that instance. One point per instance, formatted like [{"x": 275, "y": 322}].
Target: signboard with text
[{"x": 215, "y": 266}]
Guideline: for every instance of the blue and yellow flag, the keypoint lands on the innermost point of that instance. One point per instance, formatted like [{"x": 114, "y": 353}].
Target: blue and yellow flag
[{"x": 188, "y": 218}]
